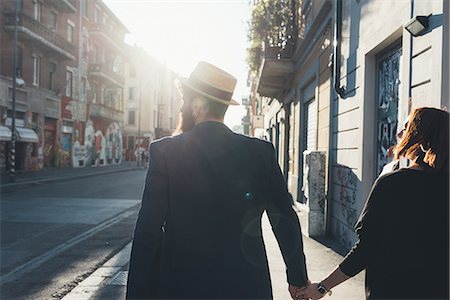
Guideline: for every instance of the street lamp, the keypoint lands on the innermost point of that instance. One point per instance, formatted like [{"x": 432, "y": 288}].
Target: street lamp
[{"x": 12, "y": 169}]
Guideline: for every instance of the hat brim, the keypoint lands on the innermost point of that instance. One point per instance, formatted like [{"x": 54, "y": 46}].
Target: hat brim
[{"x": 184, "y": 82}]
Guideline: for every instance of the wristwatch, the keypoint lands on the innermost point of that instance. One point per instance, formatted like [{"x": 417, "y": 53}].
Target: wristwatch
[{"x": 323, "y": 290}]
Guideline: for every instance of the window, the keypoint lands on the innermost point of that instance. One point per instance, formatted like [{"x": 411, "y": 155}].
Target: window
[
  {"x": 83, "y": 86},
  {"x": 97, "y": 14},
  {"x": 51, "y": 76},
  {"x": 84, "y": 8},
  {"x": 132, "y": 93},
  {"x": 132, "y": 71},
  {"x": 131, "y": 117},
  {"x": 131, "y": 142},
  {"x": 53, "y": 20},
  {"x": 69, "y": 83},
  {"x": 310, "y": 125},
  {"x": 37, "y": 7},
  {"x": 19, "y": 62},
  {"x": 36, "y": 69},
  {"x": 94, "y": 92},
  {"x": 70, "y": 30},
  {"x": 95, "y": 54},
  {"x": 85, "y": 46}
]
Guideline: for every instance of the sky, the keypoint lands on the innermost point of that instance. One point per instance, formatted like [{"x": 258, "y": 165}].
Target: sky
[{"x": 183, "y": 32}]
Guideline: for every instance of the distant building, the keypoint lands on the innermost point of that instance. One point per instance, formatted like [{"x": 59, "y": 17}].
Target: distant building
[
  {"x": 102, "y": 42},
  {"x": 46, "y": 51},
  {"x": 151, "y": 101},
  {"x": 347, "y": 101},
  {"x": 69, "y": 112}
]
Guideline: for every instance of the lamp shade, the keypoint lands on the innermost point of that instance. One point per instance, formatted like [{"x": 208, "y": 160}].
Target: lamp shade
[{"x": 417, "y": 25}]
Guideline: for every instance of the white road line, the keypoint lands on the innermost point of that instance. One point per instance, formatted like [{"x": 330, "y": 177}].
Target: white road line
[{"x": 37, "y": 261}]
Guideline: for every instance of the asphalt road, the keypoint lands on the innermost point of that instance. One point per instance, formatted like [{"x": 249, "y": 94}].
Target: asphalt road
[{"x": 54, "y": 235}]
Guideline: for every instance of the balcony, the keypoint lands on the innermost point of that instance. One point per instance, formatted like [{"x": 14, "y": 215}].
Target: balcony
[
  {"x": 111, "y": 35},
  {"x": 275, "y": 70},
  {"x": 103, "y": 71},
  {"x": 67, "y": 6},
  {"x": 103, "y": 111},
  {"x": 32, "y": 30}
]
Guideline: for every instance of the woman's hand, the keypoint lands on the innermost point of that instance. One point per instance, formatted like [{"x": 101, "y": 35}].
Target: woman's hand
[{"x": 310, "y": 292}]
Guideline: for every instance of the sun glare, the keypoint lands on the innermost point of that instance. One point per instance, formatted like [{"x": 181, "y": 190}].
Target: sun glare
[{"x": 182, "y": 33}]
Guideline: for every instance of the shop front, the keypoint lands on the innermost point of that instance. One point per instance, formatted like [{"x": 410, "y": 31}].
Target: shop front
[{"x": 5, "y": 139}]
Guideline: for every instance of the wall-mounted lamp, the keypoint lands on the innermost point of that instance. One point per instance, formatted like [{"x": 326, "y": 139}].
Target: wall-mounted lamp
[{"x": 417, "y": 25}]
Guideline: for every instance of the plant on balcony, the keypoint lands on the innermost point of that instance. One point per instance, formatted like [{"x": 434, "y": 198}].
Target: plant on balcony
[{"x": 270, "y": 26}]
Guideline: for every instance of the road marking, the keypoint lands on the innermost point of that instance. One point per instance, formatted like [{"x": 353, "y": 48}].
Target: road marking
[{"x": 37, "y": 261}]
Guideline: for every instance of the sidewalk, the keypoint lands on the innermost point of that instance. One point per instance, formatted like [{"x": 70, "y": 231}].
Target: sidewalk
[
  {"x": 109, "y": 281},
  {"x": 55, "y": 174}
]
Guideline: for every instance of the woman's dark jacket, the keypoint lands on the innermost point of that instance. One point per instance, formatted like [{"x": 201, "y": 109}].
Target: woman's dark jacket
[
  {"x": 404, "y": 237},
  {"x": 198, "y": 235}
]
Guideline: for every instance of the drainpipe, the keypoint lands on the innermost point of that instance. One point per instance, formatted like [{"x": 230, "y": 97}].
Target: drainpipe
[
  {"x": 410, "y": 62},
  {"x": 340, "y": 90}
]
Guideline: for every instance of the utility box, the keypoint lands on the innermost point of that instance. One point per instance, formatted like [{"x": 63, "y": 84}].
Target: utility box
[{"x": 314, "y": 192}]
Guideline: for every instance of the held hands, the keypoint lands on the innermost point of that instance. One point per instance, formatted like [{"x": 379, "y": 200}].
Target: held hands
[{"x": 310, "y": 291}]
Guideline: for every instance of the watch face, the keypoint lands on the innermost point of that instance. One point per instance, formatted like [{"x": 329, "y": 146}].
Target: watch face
[{"x": 321, "y": 289}]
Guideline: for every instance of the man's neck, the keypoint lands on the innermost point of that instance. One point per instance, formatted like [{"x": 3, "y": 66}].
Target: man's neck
[{"x": 203, "y": 120}]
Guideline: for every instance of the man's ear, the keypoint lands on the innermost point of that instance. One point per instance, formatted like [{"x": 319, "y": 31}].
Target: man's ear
[{"x": 199, "y": 105}]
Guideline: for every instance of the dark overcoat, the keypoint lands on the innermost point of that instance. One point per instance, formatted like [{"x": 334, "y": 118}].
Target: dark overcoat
[{"x": 198, "y": 234}]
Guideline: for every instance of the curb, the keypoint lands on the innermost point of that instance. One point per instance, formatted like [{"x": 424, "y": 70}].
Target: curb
[{"x": 8, "y": 187}]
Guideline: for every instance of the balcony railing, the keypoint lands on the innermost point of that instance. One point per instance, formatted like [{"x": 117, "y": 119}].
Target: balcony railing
[
  {"x": 286, "y": 52},
  {"x": 65, "y": 5},
  {"x": 103, "y": 111},
  {"x": 110, "y": 32},
  {"x": 104, "y": 71},
  {"x": 276, "y": 68},
  {"x": 32, "y": 29}
]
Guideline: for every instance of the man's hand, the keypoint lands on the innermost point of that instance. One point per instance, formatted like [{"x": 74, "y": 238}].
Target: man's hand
[
  {"x": 293, "y": 290},
  {"x": 310, "y": 292}
]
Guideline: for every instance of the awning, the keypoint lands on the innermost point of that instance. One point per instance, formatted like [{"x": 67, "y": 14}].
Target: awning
[
  {"x": 5, "y": 134},
  {"x": 27, "y": 135}
]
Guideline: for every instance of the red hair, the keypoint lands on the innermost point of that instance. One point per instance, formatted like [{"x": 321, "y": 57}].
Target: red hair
[{"x": 426, "y": 139}]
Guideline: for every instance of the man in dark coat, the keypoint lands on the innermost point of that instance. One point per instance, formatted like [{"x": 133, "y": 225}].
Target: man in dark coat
[{"x": 198, "y": 235}]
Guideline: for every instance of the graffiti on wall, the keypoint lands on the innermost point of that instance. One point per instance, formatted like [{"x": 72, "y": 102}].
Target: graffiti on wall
[
  {"x": 77, "y": 110},
  {"x": 345, "y": 207},
  {"x": 114, "y": 144},
  {"x": 66, "y": 146},
  {"x": 40, "y": 133},
  {"x": 99, "y": 149},
  {"x": 347, "y": 194}
]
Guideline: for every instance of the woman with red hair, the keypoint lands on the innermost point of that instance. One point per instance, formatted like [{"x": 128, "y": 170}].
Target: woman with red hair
[{"x": 403, "y": 230}]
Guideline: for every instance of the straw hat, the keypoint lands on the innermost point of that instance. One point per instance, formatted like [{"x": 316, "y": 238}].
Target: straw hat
[{"x": 213, "y": 83}]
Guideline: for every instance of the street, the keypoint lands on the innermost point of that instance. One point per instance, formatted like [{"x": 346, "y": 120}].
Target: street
[
  {"x": 53, "y": 235},
  {"x": 71, "y": 240}
]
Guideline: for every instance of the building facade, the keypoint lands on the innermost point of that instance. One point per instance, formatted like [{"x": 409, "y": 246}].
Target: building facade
[
  {"x": 346, "y": 99},
  {"x": 45, "y": 50},
  {"x": 101, "y": 81},
  {"x": 69, "y": 109},
  {"x": 151, "y": 101}
]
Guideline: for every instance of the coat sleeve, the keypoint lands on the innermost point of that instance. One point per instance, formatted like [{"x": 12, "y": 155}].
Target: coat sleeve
[
  {"x": 145, "y": 263},
  {"x": 285, "y": 225},
  {"x": 367, "y": 229}
]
